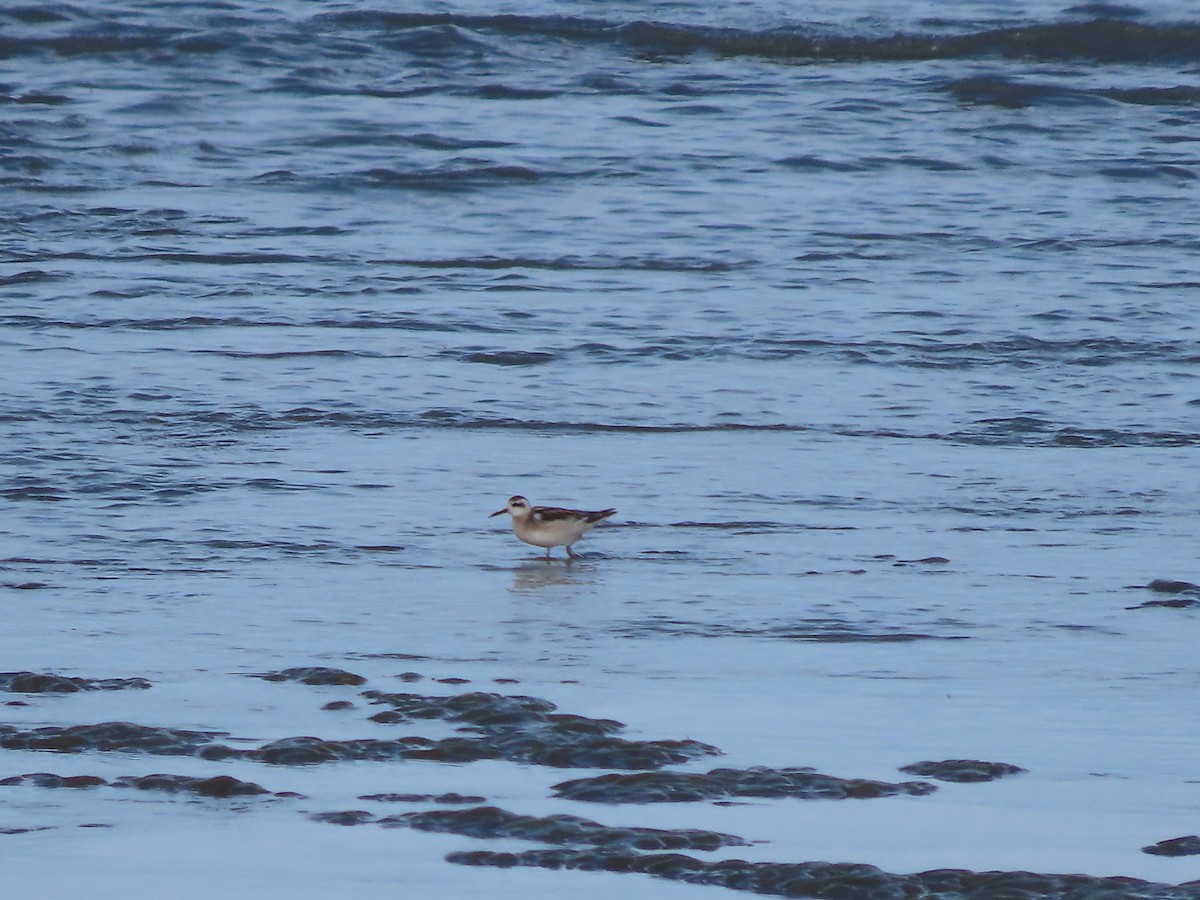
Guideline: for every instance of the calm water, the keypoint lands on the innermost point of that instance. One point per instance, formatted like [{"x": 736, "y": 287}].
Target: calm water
[{"x": 293, "y": 295}]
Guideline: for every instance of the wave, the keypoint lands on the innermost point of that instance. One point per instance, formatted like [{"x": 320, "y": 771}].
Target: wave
[
  {"x": 1101, "y": 39},
  {"x": 452, "y": 178},
  {"x": 683, "y": 264},
  {"x": 233, "y": 258},
  {"x": 199, "y": 421},
  {"x": 396, "y": 322},
  {"x": 619, "y": 345},
  {"x": 1032, "y": 431},
  {"x": 1010, "y": 94},
  {"x": 578, "y": 263},
  {"x": 1019, "y": 352},
  {"x": 31, "y": 276},
  {"x": 441, "y": 36},
  {"x": 421, "y": 140},
  {"x": 300, "y": 354},
  {"x": 832, "y": 631}
]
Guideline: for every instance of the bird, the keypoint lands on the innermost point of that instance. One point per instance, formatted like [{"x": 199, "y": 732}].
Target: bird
[{"x": 550, "y": 526}]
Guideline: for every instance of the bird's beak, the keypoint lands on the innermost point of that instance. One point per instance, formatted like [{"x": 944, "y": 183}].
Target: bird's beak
[{"x": 497, "y": 513}]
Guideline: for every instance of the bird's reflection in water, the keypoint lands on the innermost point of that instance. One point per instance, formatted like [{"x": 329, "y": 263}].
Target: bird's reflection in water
[{"x": 540, "y": 574}]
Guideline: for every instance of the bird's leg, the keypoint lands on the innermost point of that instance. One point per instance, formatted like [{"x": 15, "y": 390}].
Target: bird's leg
[{"x": 571, "y": 553}]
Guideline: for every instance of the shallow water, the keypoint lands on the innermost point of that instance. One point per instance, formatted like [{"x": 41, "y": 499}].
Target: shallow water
[{"x": 874, "y": 325}]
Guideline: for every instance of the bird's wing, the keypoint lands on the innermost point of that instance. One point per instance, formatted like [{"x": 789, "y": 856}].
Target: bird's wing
[
  {"x": 553, "y": 513},
  {"x": 558, "y": 514}
]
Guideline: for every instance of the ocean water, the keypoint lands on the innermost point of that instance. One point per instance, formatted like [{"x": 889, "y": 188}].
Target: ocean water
[{"x": 876, "y": 322}]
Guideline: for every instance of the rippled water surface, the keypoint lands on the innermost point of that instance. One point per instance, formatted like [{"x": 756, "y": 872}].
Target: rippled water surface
[{"x": 876, "y": 323}]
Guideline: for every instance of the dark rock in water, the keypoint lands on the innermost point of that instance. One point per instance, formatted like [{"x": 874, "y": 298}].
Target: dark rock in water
[
  {"x": 107, "y": 736},
  {"x": 316, "y": 675},
  {"x": 410, "y": 676},
  {"x": 961, "y": 770},
  {"x": 492, "y": 822},
  {"x": 834, "y": 880},
  {"x": 1166, "y": 586},
  {"x": 447, "y": 799},
  {"x": 1180, "y": 846},
  {"x": 49, "y": 683},
  {"x": 719, "y": 784},
  {"x": 220, "y": 786},
  {"x": 338, "y": 705},
  {"x": 47, "y": 780}
]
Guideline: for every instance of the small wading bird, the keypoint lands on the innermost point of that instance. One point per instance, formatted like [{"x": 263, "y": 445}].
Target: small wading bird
[{"x": 550, "y": 526}]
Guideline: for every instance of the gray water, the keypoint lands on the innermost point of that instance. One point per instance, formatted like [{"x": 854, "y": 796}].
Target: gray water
[{"x": 877, "y": 325}]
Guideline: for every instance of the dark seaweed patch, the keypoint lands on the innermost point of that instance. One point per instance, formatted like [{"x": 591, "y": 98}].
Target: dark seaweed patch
[
  {"x": 493, "y": 822},
  {"x": 823, "y": 879},
  {"x": 302, "y": 751},
  {"x": 220, "y": 786},
  {"x": 476, "y": 708},
  {"x": 107, "y": 736},
  {"x": 518, "y": 729},
  {"x": 961, "y": 770},
  {"x": 527, "y": 729},
  {"x": 448, "y": 799},
  {"x": 721, "y": 784},
  {"x": 48, "y": 780},
  {"x": 1185, "y": 593},
  {"x": 1168, "y": 586},
  {"x": 511, "y": 728},
  {"x": 346, "y": 817},
  {"x": 316, "y": 675},
  {"x": 1173, "y": 603},
  {"x": 49, "y": 682},
  {"x": 1180, "y": 846}
]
